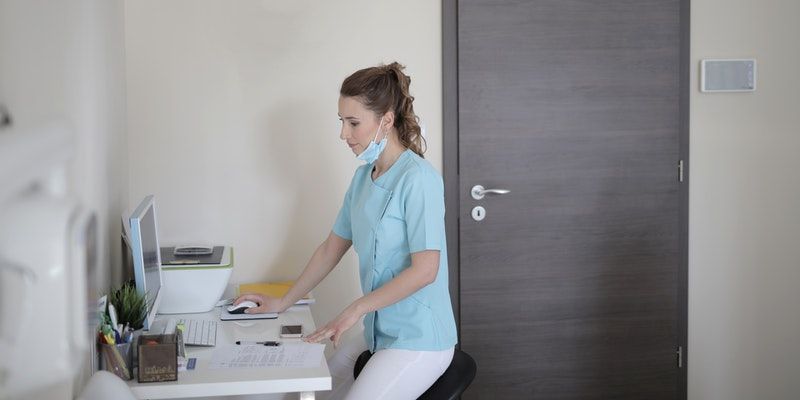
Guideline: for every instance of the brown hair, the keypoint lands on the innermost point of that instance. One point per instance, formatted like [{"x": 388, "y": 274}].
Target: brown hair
[{"x": 385, "y": 88}]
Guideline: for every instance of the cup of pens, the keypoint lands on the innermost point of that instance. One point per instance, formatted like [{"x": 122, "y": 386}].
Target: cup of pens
[
  {"x": 115, "y": 342},
  {"x": 116, "y": 358}
]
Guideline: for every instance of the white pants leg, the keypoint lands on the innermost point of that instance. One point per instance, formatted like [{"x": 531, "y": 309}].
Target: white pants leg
[
  {"x": 341, "y": 365},
  {"x": 390, "y": 373},
  {"x": 393, "y": 374}
]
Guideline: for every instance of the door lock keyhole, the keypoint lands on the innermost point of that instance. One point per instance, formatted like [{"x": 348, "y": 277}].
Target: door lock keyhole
[{"x": 478, "y": 213}]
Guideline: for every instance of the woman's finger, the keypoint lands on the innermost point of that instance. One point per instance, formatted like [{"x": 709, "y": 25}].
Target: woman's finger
[
  {"x": 335, "y": 339},
  {"x": 256, "y": 310},
  {"x": 325, "y": 335},
  {"x": 315, "y": 333},
  {"x": 314, "y": 339},
  {"x": 315, "y": 336},
  {"x": 248, "y": 296}
]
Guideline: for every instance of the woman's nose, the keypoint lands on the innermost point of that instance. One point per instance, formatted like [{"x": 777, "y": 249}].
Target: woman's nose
[{"x": 342, "y": 134}]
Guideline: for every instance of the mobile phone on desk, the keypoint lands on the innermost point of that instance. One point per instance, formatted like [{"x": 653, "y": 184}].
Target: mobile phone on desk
[{"x": 291, "y": 331}]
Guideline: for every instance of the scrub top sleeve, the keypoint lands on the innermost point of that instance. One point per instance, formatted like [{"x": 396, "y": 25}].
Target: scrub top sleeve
[
  {"x": 342, "y": 227},
  {"x": 424, "y": 212}
]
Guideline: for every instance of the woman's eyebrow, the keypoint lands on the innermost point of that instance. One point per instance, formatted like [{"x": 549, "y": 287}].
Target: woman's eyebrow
[{"x": 349, "y": 118}]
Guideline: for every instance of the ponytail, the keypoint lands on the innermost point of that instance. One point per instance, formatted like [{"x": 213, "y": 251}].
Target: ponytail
[{"x": 386, "y": 88}]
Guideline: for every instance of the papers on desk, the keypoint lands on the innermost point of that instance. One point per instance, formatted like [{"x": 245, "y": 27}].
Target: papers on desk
[
  {"x": 274, "y": 289},
  {"x": 287, "y": 355}
]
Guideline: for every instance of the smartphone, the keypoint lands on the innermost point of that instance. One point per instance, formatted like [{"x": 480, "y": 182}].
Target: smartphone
[{"x": 291, "y": 331}]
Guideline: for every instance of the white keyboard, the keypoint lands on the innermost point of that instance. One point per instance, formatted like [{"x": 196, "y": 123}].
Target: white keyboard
[{"x": 197, "y": 332}]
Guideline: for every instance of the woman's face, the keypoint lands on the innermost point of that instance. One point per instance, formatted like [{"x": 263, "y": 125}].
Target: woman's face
[{"x": 358, "y": 124}]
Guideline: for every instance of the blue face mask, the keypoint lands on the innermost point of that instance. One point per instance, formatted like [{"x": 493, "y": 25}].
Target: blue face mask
[{"x": 373, "y": 150}]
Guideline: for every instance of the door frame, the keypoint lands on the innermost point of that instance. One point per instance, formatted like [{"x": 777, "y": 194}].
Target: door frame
[{"x": 450, "y": 166}]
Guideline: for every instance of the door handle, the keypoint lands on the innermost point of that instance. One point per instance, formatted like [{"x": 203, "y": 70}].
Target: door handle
[{"x": 479, "y": 191}]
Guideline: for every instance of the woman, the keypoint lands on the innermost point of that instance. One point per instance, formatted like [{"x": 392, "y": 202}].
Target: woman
[{"x": 393, "y": 214}]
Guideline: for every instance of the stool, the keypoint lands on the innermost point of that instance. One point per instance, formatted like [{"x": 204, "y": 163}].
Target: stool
[{"x": 453, "y": 382}]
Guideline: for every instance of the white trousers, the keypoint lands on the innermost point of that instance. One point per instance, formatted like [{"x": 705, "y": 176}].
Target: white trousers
[{"x": 389, "y": 374}]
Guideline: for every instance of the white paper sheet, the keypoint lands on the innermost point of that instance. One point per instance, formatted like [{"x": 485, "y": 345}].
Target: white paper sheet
[{"x": 287, "y": 355}]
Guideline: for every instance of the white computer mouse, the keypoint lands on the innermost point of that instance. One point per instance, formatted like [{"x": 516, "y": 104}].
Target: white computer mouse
[{"x": 239, "y": 308}]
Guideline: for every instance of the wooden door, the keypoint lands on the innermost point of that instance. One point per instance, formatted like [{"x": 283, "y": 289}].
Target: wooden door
[{"x": 571, "y": 286}]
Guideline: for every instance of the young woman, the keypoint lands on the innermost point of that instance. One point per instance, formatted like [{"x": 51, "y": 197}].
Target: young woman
[{"x": 393, "y": 214}]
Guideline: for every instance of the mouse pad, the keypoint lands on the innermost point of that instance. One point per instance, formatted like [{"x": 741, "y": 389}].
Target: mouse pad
[{"x": 226, "y": 316}]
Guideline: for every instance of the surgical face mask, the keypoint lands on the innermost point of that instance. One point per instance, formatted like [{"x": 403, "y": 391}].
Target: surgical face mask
[{"x": 374, "y": 150}]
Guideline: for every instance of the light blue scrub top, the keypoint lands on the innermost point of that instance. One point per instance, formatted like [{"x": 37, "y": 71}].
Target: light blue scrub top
[{"x": 400, "y": 213}]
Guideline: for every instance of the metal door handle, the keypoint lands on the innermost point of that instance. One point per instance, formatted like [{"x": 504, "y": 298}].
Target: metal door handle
[{"x": 479, "y": 191}]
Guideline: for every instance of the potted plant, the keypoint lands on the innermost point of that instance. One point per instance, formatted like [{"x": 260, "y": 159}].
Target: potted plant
[{"x": 130, "y": 305}]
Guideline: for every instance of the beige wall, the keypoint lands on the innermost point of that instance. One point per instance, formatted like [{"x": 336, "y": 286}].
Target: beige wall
[
  {"x": 744, "y": 225},
  {"x": 232, "y": 120},
  {"x": 64, "y": 61}
]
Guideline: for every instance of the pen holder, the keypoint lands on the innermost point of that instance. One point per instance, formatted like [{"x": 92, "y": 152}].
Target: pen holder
[
  {"x": 116, "y": 358},
  {"x": 158, "y": 358}
]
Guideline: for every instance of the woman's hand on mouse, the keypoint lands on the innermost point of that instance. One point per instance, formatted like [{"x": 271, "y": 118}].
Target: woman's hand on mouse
[
  {"x": 266, "y": 304},
  {"x": 337, "y": 327}
]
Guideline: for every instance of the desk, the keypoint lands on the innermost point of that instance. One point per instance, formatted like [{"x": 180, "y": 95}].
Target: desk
[{"x": 203, "y": 381}]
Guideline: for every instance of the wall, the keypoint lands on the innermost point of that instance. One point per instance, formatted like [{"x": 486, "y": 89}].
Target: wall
[
  {"x": 744, "y": 224},
  {"x": 64, "y": 61},
  {"x": 232, "y": 120}
]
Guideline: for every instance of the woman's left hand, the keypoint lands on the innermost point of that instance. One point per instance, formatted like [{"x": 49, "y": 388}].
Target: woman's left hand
[{"x": 337, "y": 327}]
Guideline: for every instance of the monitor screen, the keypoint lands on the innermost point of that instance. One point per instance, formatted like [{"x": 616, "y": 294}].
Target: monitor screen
[{"x": 146, "y": 256}]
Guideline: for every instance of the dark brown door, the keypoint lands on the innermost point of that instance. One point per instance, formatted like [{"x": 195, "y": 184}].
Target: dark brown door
[{"x": 570, "y": 286}]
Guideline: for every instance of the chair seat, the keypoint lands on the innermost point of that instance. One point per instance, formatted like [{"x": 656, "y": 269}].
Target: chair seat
[{"x": 453, "y": 382}]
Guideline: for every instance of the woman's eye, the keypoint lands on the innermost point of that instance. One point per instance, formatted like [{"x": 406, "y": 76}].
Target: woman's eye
[{"x": 354, "y": 124}]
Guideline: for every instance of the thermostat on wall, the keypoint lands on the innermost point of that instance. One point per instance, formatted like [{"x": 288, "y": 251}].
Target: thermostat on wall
[{"x": 737, "y": 75}]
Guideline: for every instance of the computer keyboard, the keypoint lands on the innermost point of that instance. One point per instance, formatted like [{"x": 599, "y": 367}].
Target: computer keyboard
[{"x": 196, "y": 332}]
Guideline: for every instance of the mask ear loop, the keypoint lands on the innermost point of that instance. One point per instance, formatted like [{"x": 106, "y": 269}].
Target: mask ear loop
[{"x": 375, "y": 139}]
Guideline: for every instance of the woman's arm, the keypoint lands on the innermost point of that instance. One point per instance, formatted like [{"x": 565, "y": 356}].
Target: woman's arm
[
  {"x": 422, "y": 272},
  {"x": 322, "y": 262},
  {"x": 325, "y": 258}
]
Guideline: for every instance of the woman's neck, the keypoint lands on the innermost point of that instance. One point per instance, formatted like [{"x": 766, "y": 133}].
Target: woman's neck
[{"x": 388, "y": 156}]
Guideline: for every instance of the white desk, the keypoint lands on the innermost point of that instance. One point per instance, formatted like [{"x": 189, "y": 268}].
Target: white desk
[{"x": 203, "y": 381}]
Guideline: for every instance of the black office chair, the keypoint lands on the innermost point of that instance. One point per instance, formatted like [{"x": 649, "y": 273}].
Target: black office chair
[{"x": 453, "y": 382}]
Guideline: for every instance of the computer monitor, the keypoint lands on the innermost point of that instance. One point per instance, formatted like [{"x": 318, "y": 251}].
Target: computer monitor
[{"x": 146, "y": 256}]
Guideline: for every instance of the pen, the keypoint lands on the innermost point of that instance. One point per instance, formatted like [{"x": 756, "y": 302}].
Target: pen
[
  {"x": 129, "y": 331},
  {"x": 112, "y": 313},
  {"x": 265, "y": 343}
]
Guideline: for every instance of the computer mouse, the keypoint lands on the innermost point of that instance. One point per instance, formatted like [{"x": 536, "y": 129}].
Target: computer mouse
[{"x": 239, "y": 308}]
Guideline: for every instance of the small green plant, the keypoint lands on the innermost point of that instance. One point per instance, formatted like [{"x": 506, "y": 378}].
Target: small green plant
[{"x": 131, "y": 306}]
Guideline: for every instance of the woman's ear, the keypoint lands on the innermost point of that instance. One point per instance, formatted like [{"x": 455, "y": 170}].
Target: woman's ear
[{"x": 388, "y": 120}]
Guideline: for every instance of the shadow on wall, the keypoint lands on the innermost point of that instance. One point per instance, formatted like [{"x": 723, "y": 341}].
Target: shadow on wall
[
  {"x": 303, "y": 166},
  {"x": 303, "y": 173},
  {"x": 302, "y": 163}
]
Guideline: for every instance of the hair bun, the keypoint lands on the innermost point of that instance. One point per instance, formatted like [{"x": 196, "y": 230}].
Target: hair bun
[
  {"x": 395, "y": 66},
  {"x": 386, "y": 88}
]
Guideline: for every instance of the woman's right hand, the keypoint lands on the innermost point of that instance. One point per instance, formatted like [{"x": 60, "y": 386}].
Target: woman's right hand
[{"x": 266, "y": 304}]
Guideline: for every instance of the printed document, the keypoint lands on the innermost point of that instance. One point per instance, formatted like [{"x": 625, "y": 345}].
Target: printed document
[{"x": 287, "y": 355}]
